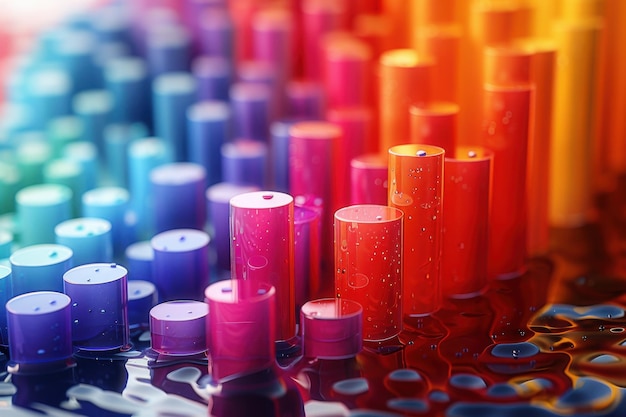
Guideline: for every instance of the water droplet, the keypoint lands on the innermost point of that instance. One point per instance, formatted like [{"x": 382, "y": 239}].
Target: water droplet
[
  {"x": 268, "y": 196},
  {"x": 421, "y": 152}
]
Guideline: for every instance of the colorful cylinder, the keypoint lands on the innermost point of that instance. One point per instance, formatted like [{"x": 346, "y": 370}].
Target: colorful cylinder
[
  {"x": 142, "y": 296},
  {"x": 251, "y": 110},
  {"x": 169, "y": 49},
  {"x": 5, "y": 294},
  {"x": 465, "y": 247},
  {"x": 139, "y": 257},
  {"x": 178, "y": 192},
  {"x": 368, "y": 179},
  {"x": 180, "y": 268},
  {"x": 213, "y": 76},
  {"x": 127, "y": 80},
  {"x": 435, "y": 123},
  {"x": 368, "y": 265},
  {"x": 307, "y": 246},
  {"x": 208, "y": 123},
  {"x": 172, "y": 94},
  {"x": 404, "y": 82},
  {"x": 111, "y": 204},
  {"x": 89, "y": 238},
  {"x": 244, "y": 162},
  {"x": 218, "y": 201},
  {"x": 332, "y": 328},
  {"x": 39, "y": 209},
  {"x": 99, "y": 293},
  {"x": 506, "y": 128},
  {"x": 262, "y": 247},
  {"x": 416, "y": 187},
  {"x": 179, "y": 327},
  {"x": 40, "y": 329},
  {"x": 241, "y": 330},
  {"x": 40, "y": 268}
]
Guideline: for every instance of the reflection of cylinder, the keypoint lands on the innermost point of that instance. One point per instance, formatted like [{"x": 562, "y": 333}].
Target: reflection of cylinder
[
  {"x": 40, "y": 327},
  {"x": 99, "y": 293},
  {"x": 178, "y": 327},
  {"x": 331, "y": 328},
  {"x": 467, "y": 186},
  {"x": 307, "y": 254},
  {"x": 416, "y": 187},
  {"x": 505, "y": 133},
  {"x": 178, "y": 192},
  {"x": 241, "y": 331},
  {"x": 262, "y": 248},
  {"x": 368, "y": 265},
  {"x": 180, "y": 269},
  {"x": 40, "y": 268},
  {"x": 368, "y": 179}
]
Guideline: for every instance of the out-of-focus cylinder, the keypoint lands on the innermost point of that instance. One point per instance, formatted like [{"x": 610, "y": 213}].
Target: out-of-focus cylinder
[
  {"x": 435, "y": 123},
  {"x": 368, "y": 179}
]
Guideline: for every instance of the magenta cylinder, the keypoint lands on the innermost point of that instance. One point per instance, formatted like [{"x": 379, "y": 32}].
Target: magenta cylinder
[
  {"x": 368, "y": 179},
  {"x": 262, "y": 248},
  {"x": 240, "y": 330},
  {"x": 307, "y": 247}
]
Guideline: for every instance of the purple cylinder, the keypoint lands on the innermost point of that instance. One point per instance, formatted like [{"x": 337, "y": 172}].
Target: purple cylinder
[
  {"x": 251, "y": 107},
  {"x": 181, "y": 264},
  {"x": 217, "y": 34},
  {"x": 40, "y": 327},
  {"x": 244, "y": 162},
  {"x": 218, "y": 201},
  {"x": 179, "y": 327},
  {"x": 262, "y": 248},
  {"x": 99, "y": 293},
  {"x": 169, "y": 49},
  {"x": 279, "y": 155},
  {"x": 178, "y": 190},
  {"x": 331, "y": 328},
  {"x": 213, "y": 76},
  {"x": 305, "y": 100}
]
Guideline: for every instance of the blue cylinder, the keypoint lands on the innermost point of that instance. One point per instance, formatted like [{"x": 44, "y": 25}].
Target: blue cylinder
[
  {"x": 111, "y": 204},
  {"x": 93, "y": 108},
  {"x": 251, "y": 108},
  {"x": 169, "y": 49},
  {"x": 129, "y": 84},
  {"x": 209, "y": 128},
  {"x": 279, "y": 155},
  {"x": 68, "y": 173},
  {"x": 178, "y": 191},
  {"x": 5, "y": 295},
  {"x": 89, "y": 238},
  {"x": 84, "y": 154},
  {"x": 39, "y": 268},
  {"x": 117, "y": 139},
  {"x": 139, "y": 257},
  {"x": 172, "y": 94},
  {"x": 49, "y": 95}
]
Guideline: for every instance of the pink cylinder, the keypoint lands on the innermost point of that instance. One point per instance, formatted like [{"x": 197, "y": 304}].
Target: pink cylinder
[
  {"x": 368, "y": 179},
  {"x": 240, "y": 330},
  {"x": 307, "y": 254},
  {"x": 313, "y": 171},
  {"x": 347, "y": 70},
  {"x": 416, "y": 187},
  {"x": 179, "y": 327},
  {"x": 464, "y": 254},
  {"x": 506, "y": 118},
  {"x": 368, "y": 265},
  {"x": 262, "y": 249}
]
